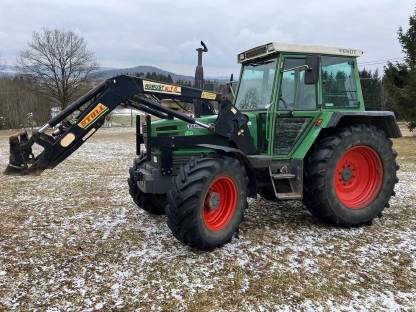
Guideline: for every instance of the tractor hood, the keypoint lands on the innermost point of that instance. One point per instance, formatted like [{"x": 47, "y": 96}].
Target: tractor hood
[{"x": 176, "y": 127}]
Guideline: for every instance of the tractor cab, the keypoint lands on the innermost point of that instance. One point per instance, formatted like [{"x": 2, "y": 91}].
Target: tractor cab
[{"x": 288, "y": 88}]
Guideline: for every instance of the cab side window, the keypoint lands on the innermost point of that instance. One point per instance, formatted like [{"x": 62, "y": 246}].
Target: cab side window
[
  {"x": 338, "y": 82},
  {"x": 294, "y": 93}
]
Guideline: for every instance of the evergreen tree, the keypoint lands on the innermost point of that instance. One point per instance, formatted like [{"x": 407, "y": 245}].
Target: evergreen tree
[
  {"x": 400, "y": 78},
  {"x": 372, "y": 89}
]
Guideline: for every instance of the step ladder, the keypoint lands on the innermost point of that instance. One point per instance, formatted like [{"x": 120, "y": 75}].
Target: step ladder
[{"x": 286, "y": 185}]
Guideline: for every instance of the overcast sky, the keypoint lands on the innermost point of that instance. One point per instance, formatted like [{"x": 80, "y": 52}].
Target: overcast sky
[{"x": 126, "y": 33}]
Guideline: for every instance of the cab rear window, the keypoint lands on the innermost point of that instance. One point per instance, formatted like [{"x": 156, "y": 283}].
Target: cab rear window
[{"x": 339, "y": 89}]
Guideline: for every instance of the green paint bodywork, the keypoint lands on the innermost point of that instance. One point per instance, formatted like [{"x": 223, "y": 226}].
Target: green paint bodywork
[{"x": 304, "y": 141}]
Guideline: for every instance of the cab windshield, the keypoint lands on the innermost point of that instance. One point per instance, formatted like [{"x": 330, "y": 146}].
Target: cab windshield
[{"x": 256, "y": 85}]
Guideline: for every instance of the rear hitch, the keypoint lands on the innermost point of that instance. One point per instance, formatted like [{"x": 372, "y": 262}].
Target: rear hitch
[{"x": 21, "y": 155}]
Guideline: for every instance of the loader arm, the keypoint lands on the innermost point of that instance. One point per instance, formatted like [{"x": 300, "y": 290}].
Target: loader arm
[{"x": 141, "y": 94}]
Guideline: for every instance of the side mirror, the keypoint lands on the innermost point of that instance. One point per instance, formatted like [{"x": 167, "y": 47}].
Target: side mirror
[{"x": 312, "y": 71}]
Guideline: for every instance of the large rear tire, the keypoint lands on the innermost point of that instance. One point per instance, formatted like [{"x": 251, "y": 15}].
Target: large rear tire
[
  {"x": 207, "y": 201},
  {"x": 152, "y": 203},
  {"x": 350, "y": 175}
]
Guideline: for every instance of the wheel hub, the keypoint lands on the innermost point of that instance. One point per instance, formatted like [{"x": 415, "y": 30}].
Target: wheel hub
[
  {"x": 213, "y": 201},
  {"x": 346, "y": 174},
  {"x": 220, "y": 203}
]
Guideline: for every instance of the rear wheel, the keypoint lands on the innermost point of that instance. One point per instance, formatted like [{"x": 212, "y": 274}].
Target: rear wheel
[
  {"x": 207, "y": 201},
  {"x": 350, "y": 175},
  {"x": 152, "y": 203}
]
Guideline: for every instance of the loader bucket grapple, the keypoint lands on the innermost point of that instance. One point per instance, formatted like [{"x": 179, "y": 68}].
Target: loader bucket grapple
[
  {"x": 21, "y": 154},
  {"x": 297, "y": 129}
]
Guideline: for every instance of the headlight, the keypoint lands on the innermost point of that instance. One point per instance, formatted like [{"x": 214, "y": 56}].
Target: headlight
[{"x": 241, "y": 57}]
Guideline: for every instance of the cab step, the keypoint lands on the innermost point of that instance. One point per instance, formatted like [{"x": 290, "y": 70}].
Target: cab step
[
  {"x": 288, "y": 196},
  {"x": 283, "y": 176},
  {"x": 286, "y": 178}
]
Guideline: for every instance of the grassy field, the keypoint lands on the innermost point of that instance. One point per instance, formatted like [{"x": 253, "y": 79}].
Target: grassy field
[{"x": 72, "y": 239}]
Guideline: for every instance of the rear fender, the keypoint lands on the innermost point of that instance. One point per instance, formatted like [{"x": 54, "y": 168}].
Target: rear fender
[{"x": 384, "y": 120}]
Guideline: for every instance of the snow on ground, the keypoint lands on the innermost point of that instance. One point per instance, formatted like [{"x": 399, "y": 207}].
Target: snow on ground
[{"x": 72, "y": 239}]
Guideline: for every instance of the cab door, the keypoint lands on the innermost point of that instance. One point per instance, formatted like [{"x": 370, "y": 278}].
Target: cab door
[{"x": 296, "y": 108}]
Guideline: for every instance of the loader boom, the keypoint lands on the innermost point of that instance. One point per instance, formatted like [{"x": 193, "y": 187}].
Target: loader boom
[{"x": 141, "y": 94}]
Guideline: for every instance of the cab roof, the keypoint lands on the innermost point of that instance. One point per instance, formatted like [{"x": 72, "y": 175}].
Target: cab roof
[{"x": 275, "y": 47}]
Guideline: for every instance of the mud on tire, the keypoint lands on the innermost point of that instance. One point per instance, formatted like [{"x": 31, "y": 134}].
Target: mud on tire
[
  {"x": 207, "y": 201},
  {"x": 350, "y": 175},
  {"x": 152, "y": 203}
]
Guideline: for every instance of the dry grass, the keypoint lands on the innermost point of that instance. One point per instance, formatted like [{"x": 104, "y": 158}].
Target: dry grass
[{"x": 72, "y": 239}]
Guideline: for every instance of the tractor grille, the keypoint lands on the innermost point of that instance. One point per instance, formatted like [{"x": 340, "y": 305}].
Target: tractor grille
[
  {"x": 167, "y": 128},
  {"x": 167, "y": 131},
  {"x": 178, "y": 161},
  {"x": 165, "y": 134}
]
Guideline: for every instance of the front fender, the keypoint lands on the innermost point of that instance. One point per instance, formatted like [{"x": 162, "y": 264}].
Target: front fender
[{"x": 236, "y": 153}]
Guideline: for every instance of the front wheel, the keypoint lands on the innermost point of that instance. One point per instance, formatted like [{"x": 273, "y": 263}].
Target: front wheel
[
  {"x": 350, "y": 175},
  {"x": 207, "y": 201}
]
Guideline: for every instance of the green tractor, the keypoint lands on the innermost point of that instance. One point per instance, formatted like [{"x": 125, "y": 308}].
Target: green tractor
[
  {"x": 313, "y": 141},
  {"x": 296, "y": 129}
]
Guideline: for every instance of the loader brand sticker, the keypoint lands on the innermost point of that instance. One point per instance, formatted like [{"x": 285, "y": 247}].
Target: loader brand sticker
[
  {"x": 96, "y": 113},
  {"x": 208, "y": 95},
  {"x": 161, "y": 87}
]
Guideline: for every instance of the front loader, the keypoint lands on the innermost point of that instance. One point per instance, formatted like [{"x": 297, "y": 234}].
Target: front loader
[
  {"x": 91, "y": 109},
  {"x": 296, "y": 129}
]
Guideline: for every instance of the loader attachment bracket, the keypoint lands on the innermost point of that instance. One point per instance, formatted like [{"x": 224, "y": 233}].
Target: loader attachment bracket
[{"x": 21, "y": 154}]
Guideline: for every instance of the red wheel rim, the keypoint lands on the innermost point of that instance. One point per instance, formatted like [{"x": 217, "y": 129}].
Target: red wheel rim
[
  {"x": 220, "y": 203},
  {"x": 358, "y": 177}
]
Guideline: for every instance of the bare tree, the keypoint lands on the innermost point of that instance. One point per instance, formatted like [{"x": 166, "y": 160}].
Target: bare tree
[{"x": 59, "y": 62}]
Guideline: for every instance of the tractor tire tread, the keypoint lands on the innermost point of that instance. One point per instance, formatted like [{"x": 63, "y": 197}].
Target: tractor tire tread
[{"x": 186, "y": 194}]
